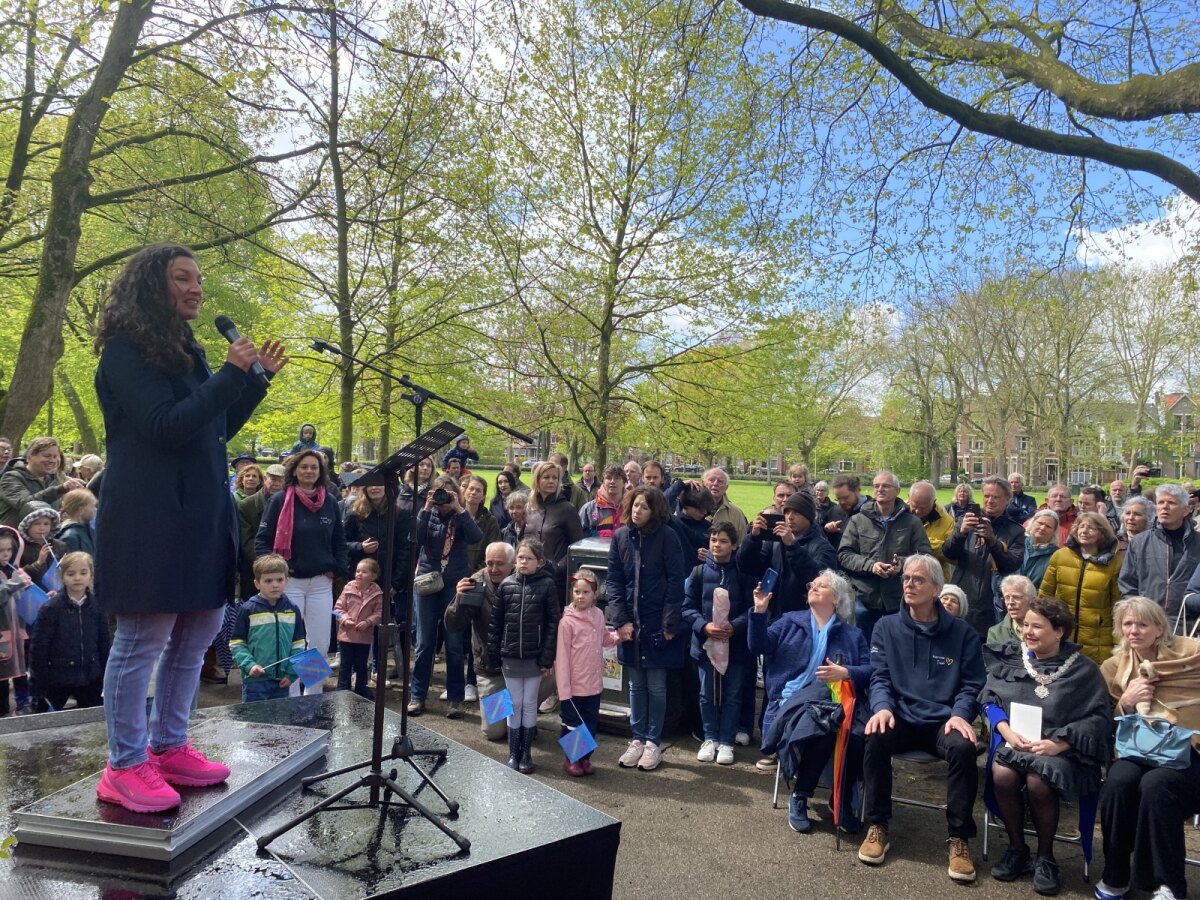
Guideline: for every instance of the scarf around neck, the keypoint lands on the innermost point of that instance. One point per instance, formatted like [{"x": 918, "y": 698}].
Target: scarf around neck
[{"x": 287, "y": 516}]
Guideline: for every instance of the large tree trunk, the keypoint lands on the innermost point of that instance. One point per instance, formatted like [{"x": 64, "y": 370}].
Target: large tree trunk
[
  {"x": 87, "y": 434},
  {"x": 41, "y": 341}
]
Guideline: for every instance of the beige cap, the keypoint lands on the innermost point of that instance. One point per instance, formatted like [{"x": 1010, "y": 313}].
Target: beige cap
[{"x": 277, "y": 470}]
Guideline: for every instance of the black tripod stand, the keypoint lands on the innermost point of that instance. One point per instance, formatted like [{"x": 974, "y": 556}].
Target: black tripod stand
[{"x": 382, "y": 786}]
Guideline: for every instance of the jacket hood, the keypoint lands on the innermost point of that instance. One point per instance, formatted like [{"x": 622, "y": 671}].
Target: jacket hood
[
  {"x": 869, "y": 510},
  {"x": 570, "y": 612},
  {"x": 943, "y": 617},
  {"x": 20, "y": 548},
  {"x": 39, "y": 511},
  {"x": 1039, "y": 549},
  {"x": 300, "y": 433}
]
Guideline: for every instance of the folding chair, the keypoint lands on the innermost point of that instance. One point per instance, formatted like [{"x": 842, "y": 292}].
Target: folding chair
[{"x": 991, "y": 813}]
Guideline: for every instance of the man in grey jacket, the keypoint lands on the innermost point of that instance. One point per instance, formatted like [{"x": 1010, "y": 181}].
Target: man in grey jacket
[
  {"x": 873, "y": 549},
  {"x": 1161, "y": 560}
]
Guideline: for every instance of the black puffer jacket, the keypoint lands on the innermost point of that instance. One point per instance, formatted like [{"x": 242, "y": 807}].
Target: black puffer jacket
[
  {"x": 68, "y": 646},
  {"x": 525, "y": 619}
]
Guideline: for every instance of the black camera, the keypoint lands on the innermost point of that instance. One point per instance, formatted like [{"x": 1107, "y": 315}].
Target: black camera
[{"x": 442, "y": 496}]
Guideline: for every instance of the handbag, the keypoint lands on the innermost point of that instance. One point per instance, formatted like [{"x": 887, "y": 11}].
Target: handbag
[
  {"x": 1154, "y": 740},
  {"x": 429, "y": 583}
]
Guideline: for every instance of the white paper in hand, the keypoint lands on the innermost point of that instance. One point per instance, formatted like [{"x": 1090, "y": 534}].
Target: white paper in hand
[
  {"x": 1026, "y": 721},
  {"x": 717, "y": 648}
]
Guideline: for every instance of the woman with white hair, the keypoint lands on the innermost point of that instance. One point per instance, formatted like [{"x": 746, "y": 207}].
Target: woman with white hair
[
  {"x": 1041, "y": 540},
  {"x": 1143, "y": 807},
  {"x": 807, "y": 651},
  {"x": 1137, "y": 515}
]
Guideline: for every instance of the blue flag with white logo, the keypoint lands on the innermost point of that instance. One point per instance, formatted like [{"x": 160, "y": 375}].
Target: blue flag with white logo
[
  {"x": 52, "y": 580},
  {"x": 497, "y": 706},
  {"x": 577, "y": 743},
  {"x": 311, "y": 666},
  {"x": 30, "y": 603}
]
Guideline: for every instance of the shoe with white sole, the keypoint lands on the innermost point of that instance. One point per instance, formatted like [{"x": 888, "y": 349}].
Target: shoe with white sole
[
  {"x": 725, "y": 755},
  {"x": 470, "y": 694},
  {"x": 708, "y": 751}
]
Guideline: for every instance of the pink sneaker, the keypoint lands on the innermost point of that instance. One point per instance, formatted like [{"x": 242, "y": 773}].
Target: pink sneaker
[
  {"x": 139, "y": 788},
  {"x": 187, "y": 766}
]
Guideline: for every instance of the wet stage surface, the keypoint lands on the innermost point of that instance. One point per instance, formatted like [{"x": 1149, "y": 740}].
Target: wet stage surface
[{"x": 521, "y": 831}]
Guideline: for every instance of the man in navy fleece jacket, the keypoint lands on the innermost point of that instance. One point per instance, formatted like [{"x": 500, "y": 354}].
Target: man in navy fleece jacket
[{"x": 926, "y": 675}]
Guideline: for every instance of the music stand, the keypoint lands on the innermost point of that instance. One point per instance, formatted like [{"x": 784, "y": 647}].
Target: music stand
[{"x": 389, "y": 474}]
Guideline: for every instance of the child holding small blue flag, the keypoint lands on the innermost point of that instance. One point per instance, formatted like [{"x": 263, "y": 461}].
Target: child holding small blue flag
[
  {"x": 68, "y": 643},
  {"x": 579, "y": 663},
  {"x": 42, "y": 552},
  {"x": 269, "y": 629},
  {"x": 13, "y": 581}
]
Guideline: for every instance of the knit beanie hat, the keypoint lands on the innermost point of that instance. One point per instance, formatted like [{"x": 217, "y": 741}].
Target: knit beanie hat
[
  {"x": 802, "y": 503},
  {"x": 963, "y": 604}
]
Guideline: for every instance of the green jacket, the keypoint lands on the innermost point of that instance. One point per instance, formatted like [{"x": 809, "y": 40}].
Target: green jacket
[
  {"x": 19, "y": 487},
  {"x": 265, "y": 634}
]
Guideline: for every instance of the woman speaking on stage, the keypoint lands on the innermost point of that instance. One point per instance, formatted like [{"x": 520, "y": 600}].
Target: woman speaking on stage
[{"x": 166, "y": 559}]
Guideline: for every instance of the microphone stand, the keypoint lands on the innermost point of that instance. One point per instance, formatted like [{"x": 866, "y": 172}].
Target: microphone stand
[{"x": 389, "y": 473}]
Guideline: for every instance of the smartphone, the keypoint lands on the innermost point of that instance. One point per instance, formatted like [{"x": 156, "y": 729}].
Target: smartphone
[
  {"x": 773, "y": 519},
  {"x": 768, "y": 581},
  {"x": 973, "y": 509}
]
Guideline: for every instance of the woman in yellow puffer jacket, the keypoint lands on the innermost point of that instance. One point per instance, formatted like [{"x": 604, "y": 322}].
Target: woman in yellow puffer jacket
[{"x": 1083, "y": 575}]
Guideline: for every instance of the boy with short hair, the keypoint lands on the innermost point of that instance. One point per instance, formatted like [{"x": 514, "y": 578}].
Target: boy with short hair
[{"x": 269, "y": 629}]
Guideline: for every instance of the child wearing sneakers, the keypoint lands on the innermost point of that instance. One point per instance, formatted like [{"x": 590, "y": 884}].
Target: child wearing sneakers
[
  {"x": 720, "y": 693},
  {"x": 359, "y": 609},
  {"x": 579, "y": 662},
  {"x": 68, "y": 644},
  {"x": 269, "y": 629}
]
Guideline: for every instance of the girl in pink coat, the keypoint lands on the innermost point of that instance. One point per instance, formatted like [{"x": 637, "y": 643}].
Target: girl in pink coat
[
  {"x": 579, "y": 662},
  {"x": 359, "y": 609}
]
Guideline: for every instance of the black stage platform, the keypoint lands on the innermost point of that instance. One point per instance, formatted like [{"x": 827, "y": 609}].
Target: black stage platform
[{"x": 523, "y": 834}]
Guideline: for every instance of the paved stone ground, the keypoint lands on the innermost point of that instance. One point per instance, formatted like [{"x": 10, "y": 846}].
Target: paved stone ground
[{"x": 696, "y": 830}]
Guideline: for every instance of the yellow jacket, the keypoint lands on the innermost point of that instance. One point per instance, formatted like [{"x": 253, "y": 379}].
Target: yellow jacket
[
  {"x": 1089, "y": 589},
  {"x": 939, "y": 525}
]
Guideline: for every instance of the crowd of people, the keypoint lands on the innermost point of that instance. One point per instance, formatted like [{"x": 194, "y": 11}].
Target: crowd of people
[{"x": 940, "y": 620}]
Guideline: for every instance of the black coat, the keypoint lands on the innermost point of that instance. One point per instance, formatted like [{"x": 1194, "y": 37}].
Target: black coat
[
  {"x": 318, "y": 539},
  {"x": 68, "y": 645},
  {"x": 357, "y": 530},
  {"x": 557, "y": 526},
  {"x": 172, "y": 547},
  {"x": 644, "y": 584},
  {"x": 524, "y": 623}
]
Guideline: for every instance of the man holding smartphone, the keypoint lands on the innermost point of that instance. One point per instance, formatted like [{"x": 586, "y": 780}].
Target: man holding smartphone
[{"x": 873, "y": 548}]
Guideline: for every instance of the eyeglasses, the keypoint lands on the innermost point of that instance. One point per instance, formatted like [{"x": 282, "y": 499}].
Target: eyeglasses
[{"x": 914, "y": 579}]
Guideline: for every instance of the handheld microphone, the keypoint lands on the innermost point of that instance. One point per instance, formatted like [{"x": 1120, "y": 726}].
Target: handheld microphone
[{"x": 230, "y": 333}]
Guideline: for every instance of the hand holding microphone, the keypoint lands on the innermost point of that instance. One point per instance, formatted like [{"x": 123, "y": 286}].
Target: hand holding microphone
[{"x": 243, "y": 355}]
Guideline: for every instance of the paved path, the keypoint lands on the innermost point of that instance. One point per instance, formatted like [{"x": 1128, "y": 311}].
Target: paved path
[{"x": 695, "y": 830}]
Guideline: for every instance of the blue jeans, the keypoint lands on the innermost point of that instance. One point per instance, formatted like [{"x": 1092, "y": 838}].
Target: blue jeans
[
  {"x": 720, "y": 721},
  {"x": 180, "y": 639},
  {"x": 429, "y": 612},
  {"x": 267, "y": 689},
  {"x": 647, "y": 702}
]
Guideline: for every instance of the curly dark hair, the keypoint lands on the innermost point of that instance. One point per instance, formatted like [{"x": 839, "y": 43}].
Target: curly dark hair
[
  {"x": 292, "y": 463},
  {"x": 138, "y": 310}
]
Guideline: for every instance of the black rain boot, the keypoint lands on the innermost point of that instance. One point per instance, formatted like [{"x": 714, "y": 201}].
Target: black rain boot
[
  {"x": 526, "y": 765},
  {"x": 514, "y": 746}
]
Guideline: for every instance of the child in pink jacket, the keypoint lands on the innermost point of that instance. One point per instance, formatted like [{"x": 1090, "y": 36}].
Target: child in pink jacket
[
  {"x": 359, "y": 609},
  {"x": 579, "y": 662}
]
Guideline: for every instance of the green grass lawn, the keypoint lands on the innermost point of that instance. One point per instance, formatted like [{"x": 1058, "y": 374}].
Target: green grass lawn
[{"x": 752, "y": 496}]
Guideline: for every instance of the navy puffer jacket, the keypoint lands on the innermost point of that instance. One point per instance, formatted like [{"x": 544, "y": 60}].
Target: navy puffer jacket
[
  {"x": 698, "y": 605},
  {"x": 644, "y": 584}
]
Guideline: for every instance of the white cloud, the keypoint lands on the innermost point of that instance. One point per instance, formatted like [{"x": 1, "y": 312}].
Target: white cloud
[{"x": 1158, "y": 242}]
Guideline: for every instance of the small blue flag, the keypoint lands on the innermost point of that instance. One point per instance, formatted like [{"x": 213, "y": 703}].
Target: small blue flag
[
  {"x": 52, "y": 580},
  {"x": 311, "y": 666},
  {"x": 30, "y": 603},
  {"x": 497, "y": 706},
  {"x": 577, "y": 743}
]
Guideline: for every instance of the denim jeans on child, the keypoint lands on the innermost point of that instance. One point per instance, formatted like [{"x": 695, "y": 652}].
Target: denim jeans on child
[
  {"x": 180, "y": 639},
  {"x": 429, "y": 612},
  {"x": 721, "y": 722},
  {"x": 267, "y": 689},
  {"x": 647, "y": 702}
]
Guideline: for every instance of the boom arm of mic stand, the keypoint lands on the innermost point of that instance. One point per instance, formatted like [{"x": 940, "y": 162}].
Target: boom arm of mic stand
[
  {"x": 323, "y": 347},
  {"x": 408, "y": 383}
]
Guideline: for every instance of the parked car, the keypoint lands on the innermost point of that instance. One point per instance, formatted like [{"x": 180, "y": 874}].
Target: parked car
[{"x": 530, "y": 463}]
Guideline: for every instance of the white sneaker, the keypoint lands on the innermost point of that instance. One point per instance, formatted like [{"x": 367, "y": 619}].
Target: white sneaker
[
  {"x": 632, "y": 754},
  {"x": 708, "y": 751},
  {"x": 651, "y": 757},
  {"x": 725, "y": 755},
  {"x": 470, "y": 695},
  {"x": 1164, "y": 893},
  {"x": 742, "y": 739},
  {"x": 444, "y": 695}
]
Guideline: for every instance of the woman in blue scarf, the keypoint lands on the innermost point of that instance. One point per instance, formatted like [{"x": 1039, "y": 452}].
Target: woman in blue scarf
[{"x": 807, "y": 651}]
